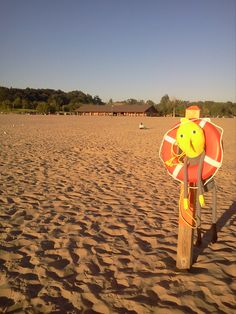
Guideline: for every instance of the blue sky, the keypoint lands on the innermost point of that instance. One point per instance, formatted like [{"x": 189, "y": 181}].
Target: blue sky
[{"x": 121, "y": 49}]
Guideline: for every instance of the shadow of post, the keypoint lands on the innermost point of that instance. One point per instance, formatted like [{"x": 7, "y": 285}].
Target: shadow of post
[{"x": 206, "y": 239}]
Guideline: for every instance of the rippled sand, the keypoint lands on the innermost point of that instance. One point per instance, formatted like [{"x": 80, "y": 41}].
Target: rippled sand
[{"x": 89, "y": 217}]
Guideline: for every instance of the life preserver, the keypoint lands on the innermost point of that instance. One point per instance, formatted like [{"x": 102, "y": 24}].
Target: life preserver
[{"x": 213, "y": 152}]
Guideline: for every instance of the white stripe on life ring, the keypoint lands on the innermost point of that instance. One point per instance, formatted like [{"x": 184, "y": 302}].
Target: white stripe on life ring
[
  {"x": 177, "y": 170},
  {"x": 202, "y": 123},
  {"x": 212, "y": 162},
  {"x": 169, "y": 139}
]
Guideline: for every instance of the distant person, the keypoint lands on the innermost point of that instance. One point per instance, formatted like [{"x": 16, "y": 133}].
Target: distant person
[{"x": 141, "y": 126}]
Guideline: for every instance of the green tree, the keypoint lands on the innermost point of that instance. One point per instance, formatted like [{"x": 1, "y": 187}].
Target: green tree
[
  {"x": 97, "y": 100},
  {"x": 17, "y": 103},
  {"x": 180, "y": 107},
  {"x": 42, "y": 107},
  {"x": 4, "y": 93},
  {"x": 6, "y": 104},
  {"x": 25, "y": 104},
  {"x": 54, "y": 105},
  {"x": 164, "y": 107},
  {"x": 165, "y": 100},
  {"x": 132, "y": 101},
  {"x": 150, "y": 103},
  {"x": 52, "y": 108}
]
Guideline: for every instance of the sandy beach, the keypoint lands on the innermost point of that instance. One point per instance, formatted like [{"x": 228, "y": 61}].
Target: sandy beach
[{"x": 89, "y": 220}]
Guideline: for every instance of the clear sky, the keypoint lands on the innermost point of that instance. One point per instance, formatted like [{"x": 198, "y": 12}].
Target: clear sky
[{"x": 121, "y": 49}]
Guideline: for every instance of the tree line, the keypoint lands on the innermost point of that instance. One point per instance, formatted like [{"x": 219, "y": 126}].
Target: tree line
[
  {"x": 176, "y": 107},
  {"x": 43, "y": 100},
  {"x": 51, "y": 101}
]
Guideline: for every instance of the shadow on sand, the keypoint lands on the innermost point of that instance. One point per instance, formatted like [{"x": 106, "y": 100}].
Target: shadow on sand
[{"x": 206, "y": 239}]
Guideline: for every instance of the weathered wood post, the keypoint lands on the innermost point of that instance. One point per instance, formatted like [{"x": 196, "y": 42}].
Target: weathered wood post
[
  {"x": 186, "y": 219},
  {"x": 192, "y": 152}
]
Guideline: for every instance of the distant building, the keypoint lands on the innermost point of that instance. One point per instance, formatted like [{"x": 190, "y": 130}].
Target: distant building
[{"x": 117, "y": 110}]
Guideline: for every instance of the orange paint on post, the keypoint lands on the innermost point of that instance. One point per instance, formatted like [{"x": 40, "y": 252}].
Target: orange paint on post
[{"x": 192, "y": 112}]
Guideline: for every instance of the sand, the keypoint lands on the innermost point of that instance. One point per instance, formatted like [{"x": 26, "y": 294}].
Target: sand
[{"x": 89, "y": 220}]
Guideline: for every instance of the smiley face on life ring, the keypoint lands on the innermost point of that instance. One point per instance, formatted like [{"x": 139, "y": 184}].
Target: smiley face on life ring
[{"x": 190, "y": 138}]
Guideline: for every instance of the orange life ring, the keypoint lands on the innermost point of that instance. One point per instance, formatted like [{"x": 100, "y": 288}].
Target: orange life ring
[{"x": 213, "y": 152}]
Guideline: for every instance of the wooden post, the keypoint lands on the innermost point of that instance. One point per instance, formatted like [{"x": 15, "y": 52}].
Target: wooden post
[{"x": 185, "y": 232}]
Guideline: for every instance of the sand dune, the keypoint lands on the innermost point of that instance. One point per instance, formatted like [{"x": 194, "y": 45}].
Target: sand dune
[{"x": 89, "y": 217}]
